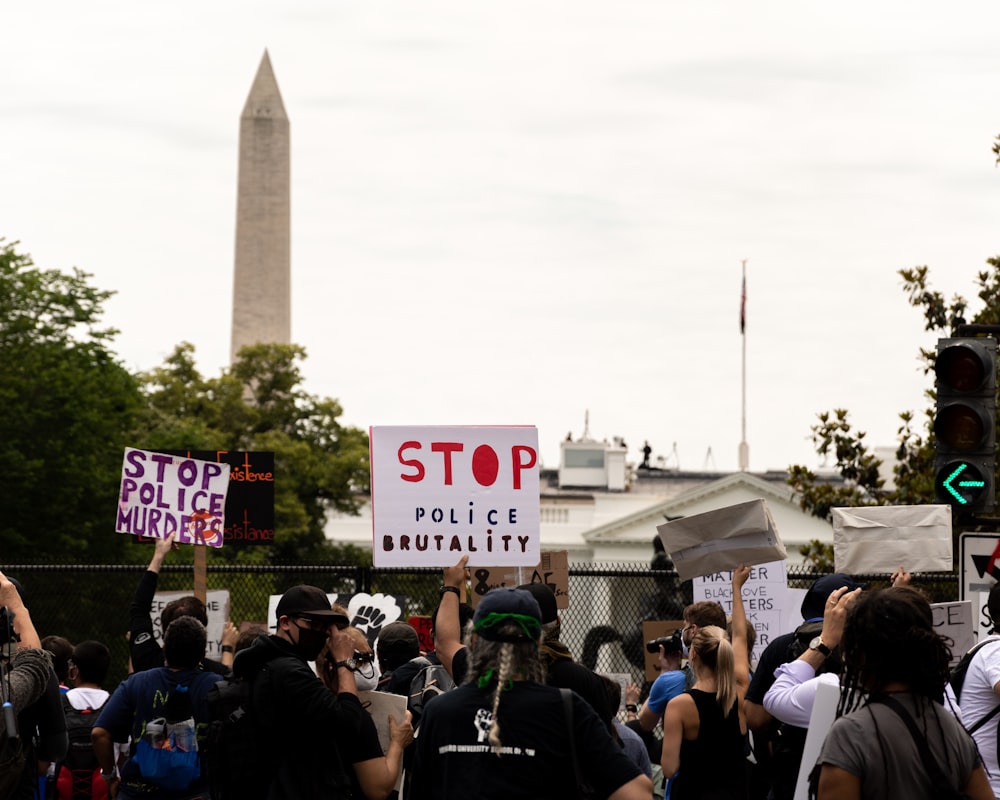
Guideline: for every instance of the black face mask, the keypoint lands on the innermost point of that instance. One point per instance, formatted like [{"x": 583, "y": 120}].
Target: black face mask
[{"x": 310, "y": 642}]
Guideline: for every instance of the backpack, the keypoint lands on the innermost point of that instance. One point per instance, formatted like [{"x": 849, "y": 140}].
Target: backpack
[
  {"x": 167, "y": 754},
  {"x": 429, "y": 682},
  {"x": 75, "y": 774},
  {"x": 957, "y": 679}
]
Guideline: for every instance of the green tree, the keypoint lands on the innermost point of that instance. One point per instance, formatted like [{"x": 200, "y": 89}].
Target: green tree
[
  {"x": 258, "y": 404},
  {"x": 67, "y": 406},
  {"x": 858, "y": 467}
]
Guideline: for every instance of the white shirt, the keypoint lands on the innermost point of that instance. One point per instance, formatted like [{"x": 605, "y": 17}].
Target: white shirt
[
  {"x": 86, "y": 698},
  {"x": 791, "y": 698},
  {"x": 979, "y": 699}
]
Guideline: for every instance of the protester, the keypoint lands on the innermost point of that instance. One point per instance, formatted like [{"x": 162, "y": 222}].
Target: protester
[
  {"x": 145, "y": 706},
  {"x": 79, "y": 774},
  {"x": 630, "y": 741},
  {"x": 62, "y": 651},
  {"x": 29, "y": 675},
  {"x": 896, "y": 666},
  {"x": 144, "y": 651},
  {"x": 702, "y": 614},
  {"x": 704, "y": 728},
  {"x": 503, "y": 733},
  {"x": 304, "y": 729},
  {"x": 778, "y": 746},
  {"x": 375, "y": 772},
  {"x": 791, "y": 696},
  {"x": 980, "y": 695},
  {"x": 42, "y": 723},
  {"x": 396, "y": 645},
  {"x": 668, "y": 684}
]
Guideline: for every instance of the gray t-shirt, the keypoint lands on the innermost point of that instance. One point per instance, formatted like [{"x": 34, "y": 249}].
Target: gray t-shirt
[{"x": 875, "y": 744}]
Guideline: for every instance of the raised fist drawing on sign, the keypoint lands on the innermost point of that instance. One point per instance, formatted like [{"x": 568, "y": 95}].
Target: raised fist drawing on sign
[{"x": 370, "y": 613}]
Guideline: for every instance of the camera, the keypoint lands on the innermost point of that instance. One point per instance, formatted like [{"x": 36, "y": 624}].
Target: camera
[{"x": 670, "y": 644}]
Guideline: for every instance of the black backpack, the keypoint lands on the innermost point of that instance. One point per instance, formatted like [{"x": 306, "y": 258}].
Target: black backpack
[
  {"x": 230, "y": 756},
  {"x": 428, "y": 683},
  {"x": 957, "y": 680},
  {"x": 80, "y": 760}
]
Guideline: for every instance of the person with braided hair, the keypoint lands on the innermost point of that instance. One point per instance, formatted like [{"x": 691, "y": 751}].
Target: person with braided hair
[
  {"x": 504, "y": 733},
  {"x": 893, "y": 737}
]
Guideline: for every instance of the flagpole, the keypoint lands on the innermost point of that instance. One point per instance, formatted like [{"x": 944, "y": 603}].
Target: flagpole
[{"x": 744, "y": 456}]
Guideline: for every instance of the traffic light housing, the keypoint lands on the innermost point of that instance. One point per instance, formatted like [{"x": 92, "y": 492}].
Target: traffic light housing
[{"x": 965, "y": 424}]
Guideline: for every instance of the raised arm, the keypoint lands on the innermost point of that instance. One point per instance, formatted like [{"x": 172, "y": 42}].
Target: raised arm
[
  {"x": 447, "y": 626},
  {"x": 740, "y": 652}
]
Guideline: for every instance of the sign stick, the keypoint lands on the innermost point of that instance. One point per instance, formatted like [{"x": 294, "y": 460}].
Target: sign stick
[{"x": 201, "y": 573}]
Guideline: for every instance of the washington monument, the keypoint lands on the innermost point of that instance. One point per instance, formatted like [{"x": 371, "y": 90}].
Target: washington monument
[{"x": 262, "y": 303}]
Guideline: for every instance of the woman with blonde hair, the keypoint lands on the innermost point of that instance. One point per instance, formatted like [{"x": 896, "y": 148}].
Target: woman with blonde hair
[{"x": 704, "y": 729}]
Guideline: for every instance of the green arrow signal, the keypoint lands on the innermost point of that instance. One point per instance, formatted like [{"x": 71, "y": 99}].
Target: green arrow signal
[{"x": 970, "y": 484}]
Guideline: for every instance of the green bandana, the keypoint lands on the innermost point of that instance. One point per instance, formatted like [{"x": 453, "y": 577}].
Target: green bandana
[{"x": 530, "y": 627}]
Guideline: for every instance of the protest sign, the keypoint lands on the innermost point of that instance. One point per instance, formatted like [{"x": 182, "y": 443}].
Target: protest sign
[
  {"x": 955, "y": 621},
  {"x": 163, "y": 494},
  {"x": 824, "y": 712},
  {"x": 552, "y": 570},
  {"x": 424, "y": 626},
  {"x": 874, "y": 539},
  {"x": 720, "y": 539},
  {"x": 249, "y": 517},
  {"x": 764, "y": 599},
  {"x": 441, "y": 492},
  {"x": 217, "y": 607}
]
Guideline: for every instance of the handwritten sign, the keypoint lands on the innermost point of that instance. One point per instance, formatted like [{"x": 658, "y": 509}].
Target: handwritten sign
[
  {"x": 764, "y": 599},
  {"x": 216, "y": 606},
  {"x": 441, "y": 492},
  {"x": 552, "y": 570},
  {"x": 163, "y": 494},
  {"x": 954, "y": 620}
]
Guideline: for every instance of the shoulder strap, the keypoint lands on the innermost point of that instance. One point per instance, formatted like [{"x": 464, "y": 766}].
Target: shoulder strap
[
  {"x": 967, "y": 658},
  {"x": 939, "y": 780},
  {"x": 567, "y": 702}
]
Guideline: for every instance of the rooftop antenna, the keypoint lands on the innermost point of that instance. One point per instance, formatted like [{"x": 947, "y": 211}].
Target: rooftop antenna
[
  {"x": 744, "y": 452},
  {"x": 586, "y": 426},
  {"x": 709, "y": 459}
]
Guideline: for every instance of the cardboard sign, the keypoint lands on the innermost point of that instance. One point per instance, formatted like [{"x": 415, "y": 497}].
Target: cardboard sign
[
  {"x": 765, "y": 600},
  {"x": 249, "y": 518},
  {"x": 721, "y": 539},
  {"x": 656, "y": 629},
  {"x": 217, "y": 606},
  {"x": 553, "y": 570},
  {"x": 441, "y": 492},
  {"x": 955, "y": 621},
  {"x": 873, "y": 539},
  {"x": 820, "y": 721},
  {"x": 163, "y": 494}
]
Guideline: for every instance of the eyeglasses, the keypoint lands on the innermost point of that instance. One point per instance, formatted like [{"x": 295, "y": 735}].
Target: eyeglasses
[{"x": 312, "y": 624}]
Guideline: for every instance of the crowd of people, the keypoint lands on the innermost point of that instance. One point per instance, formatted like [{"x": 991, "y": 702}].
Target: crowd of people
[{"x": 500, "y": 708}]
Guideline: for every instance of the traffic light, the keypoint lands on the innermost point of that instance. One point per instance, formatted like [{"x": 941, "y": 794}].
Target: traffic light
[{"x": 965, "y": 423}]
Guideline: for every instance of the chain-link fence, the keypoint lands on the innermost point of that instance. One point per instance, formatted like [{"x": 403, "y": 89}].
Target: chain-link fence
[{"x": 607, "y": 602}]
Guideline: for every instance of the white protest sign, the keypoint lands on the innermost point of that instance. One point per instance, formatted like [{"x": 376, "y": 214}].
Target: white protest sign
[
  {"x": 162, "y": 494},
  {"x": 217, "y": 606},
  {"x": 875, "y": 539},
  {"x": 764, "y": 599},
  {"x": 954, "y": 620},
  {"x": 441, "y": 492},
  {"x": 823, "y": 715}
]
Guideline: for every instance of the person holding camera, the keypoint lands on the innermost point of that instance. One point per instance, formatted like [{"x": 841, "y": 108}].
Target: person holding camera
[{"x": 670, "y": 681}]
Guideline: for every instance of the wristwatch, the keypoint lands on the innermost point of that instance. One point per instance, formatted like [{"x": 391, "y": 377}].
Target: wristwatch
[
  {"x": 350, "y": 663},
  {"x": 817, "y": 644},
  {"x": 110, "y": 775}
]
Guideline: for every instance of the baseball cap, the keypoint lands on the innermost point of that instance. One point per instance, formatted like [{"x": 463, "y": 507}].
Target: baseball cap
[
  {"x": 508, "y": 605},
  {"x": 398, "y": 640},
  {"x": 546, "y": 598},
  {"x": 814, "y": 603},
  {"x": 309, "y": 602}
]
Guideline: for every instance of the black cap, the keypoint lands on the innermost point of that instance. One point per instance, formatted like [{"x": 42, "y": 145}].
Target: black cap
[
  {"x": 546, "y": 598},
  {"x": 501, "y": 605},
  {"x": 309, "y": 602},
  {"x": 814, "y": 604},
  {"x": 398, "y": 642}
]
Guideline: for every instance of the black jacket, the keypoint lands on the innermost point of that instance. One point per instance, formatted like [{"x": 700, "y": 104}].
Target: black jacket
[{"x": 303, "y": 723}]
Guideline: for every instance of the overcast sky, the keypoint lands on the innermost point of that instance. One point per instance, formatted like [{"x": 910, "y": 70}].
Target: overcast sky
[{"x": 515, "y": 212}]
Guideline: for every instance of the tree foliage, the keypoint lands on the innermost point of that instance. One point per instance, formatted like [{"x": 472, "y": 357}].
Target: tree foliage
[
  {"x": 258, "y": 404},
  {"x": 67, "y": 406},
  {"x": 856, "y": 464}
]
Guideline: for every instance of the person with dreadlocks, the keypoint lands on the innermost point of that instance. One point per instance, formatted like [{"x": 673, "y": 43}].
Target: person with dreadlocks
[
  {"x": 893, "y": 737},
  {"x": 504, "y": 733}
]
